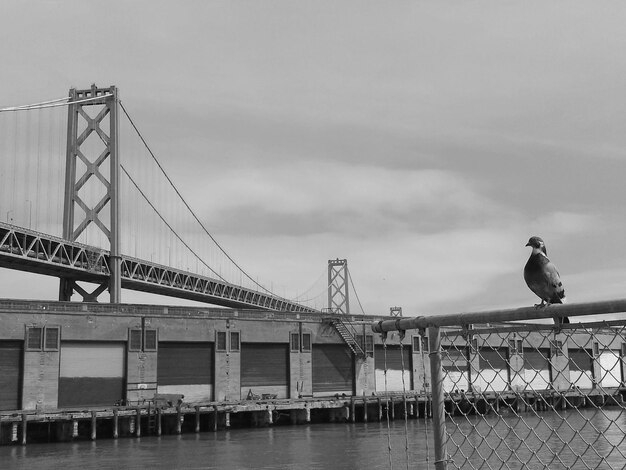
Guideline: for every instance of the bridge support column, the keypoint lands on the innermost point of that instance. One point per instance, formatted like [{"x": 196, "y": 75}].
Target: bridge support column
[{"x": 101, "y": 149}]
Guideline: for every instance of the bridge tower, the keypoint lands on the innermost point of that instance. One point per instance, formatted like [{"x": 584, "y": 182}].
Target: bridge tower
[
  {"x": 395, "y": 311},
  {"x": 93, "y": 167},
  {"x": 338, "y": 299}
]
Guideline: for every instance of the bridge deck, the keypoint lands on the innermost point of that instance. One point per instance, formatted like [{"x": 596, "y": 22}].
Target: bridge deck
[{"x": 39, "y": 253}]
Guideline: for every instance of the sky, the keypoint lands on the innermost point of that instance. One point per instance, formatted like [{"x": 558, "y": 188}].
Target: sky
[{"x": 423, "y": 141}]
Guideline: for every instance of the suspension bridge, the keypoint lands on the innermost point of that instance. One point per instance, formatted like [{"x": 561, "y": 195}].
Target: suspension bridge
[
  {"x": 77, "y": 205},
  {"x": 80, "y": 206}
]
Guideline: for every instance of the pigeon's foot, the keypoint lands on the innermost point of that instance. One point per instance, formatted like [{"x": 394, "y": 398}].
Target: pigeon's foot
[{"x": 541, "y": 305}]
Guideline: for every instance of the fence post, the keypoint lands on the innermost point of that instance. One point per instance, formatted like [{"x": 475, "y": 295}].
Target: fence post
[{"x": 439, "y": 415}]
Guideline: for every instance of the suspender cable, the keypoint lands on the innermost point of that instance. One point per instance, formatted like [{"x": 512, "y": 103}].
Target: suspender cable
[
  {"x": 189, "y": 208},
  {"x": 168, "y": 225}
]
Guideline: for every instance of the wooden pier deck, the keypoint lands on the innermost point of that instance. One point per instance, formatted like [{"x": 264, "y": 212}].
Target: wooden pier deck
[
  {"x": 158, "y": 418},
  {"x": 22, "y": 427}
]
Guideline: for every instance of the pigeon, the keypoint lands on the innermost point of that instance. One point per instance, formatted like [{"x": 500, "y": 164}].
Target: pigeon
[{"x": 542, "y": 277}]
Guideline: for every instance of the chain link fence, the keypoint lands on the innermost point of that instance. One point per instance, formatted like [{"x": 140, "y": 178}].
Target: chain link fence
[
  {"x": 535, "y": 397},
  {"x": 509, "y": 395}
]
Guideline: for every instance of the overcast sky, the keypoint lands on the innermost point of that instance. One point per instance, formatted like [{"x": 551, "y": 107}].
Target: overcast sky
[{"x": 424, "y": 142}]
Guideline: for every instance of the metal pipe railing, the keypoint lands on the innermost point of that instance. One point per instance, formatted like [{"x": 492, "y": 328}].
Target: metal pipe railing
[
  {"x": 523, "y": 313},
  {"x": 439, "y": 414},
  {"x": 435, "y": 322}
]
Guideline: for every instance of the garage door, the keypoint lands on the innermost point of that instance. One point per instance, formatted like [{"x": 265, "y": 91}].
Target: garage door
[
  {"x": 610, "y": 368},
  {"x": 580, "y": 368},
  {"x": 186, "y": 368},
  {"x": 394, "y": 363},
  {"x": 537, "y": 368},
  {"x": 265, "y": 369},
  {"x": 92, "y": 374},
  {"x": 493, "y": 375},
  {"x": 333, "y": 370},
  {"x": 10, "y": 374},
  {"x": 455, "y": 367}
]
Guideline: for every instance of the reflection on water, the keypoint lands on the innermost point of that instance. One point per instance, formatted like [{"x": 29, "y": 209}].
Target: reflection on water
[
  {"x": 508, "y": 442},
  {"x": 572, "y": 439},
  {"x": 318, "y": 446}
]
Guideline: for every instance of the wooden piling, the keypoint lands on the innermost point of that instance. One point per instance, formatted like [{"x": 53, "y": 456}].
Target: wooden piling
[
  {"x": 404, "y": 406},
  {"x": 352, "y": 410},
  {"x": 116, "y": 423},
  {"x": 392, "y": 415},
  {"x": 380, "y": 409},
  {"x": 197, "y": 429},
  {"x": 138, "y": 424},
  {"x": 14, "y": 432},
  {"x": 364, "y": 408},
  {"x": 159, "y": 422},
  {"x": 94, "y": 419},
  {"x": 215, "y": 418},
  {"x": 178, "y": 420},
  {"x": 24, "y": 428}
]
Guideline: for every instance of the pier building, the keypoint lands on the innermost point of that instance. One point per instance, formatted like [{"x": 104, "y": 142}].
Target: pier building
[{"x": 62, "y": 355}]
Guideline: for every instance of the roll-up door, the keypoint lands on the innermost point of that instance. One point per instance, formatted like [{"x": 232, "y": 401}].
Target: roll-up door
[
  {"x": 10, "y": 374},
  {"x": 187, "y": 369},
  {"x": 265, "y": 369},
  {"x": 333, "y": 369},
  {"x": 610, "y": 368},
  {"x": 493, "y": 374},
  {"x": 455, "y": 368},
  {"x": 92, "y": 374},
  {"x": 537, "y": 368},
  {"x": 394, "y": 365},
  {"x": 581, "y": 368}
]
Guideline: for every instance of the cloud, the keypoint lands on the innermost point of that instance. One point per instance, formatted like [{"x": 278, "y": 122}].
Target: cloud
[{"x": 318, "y": 197}]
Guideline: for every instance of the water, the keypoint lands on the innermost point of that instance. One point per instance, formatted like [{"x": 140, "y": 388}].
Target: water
[
  {"x": 316, "y": 446},
  {"x": 350, "y": 446}
]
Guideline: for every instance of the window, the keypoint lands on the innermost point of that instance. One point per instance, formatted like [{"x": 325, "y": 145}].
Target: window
[
  {"x": 34, "y": 337},
  {"x": 623, "y": 349},
  {"x": 51, "y": 338},
  {"x": 369, "y": 345},
  {"x": 234, "y": 341},
  {"x": 295, "y": 342},
  {"x": 134, "y": 339},
  {"x": 474, "y": 345},
  {"x": 558, "y": 348},
  {"x": 42, "y": 338},
  {"x": 142, "y": 339},
  {"x": 596, "y": 349},
  {"x": 520, "y": 348},
  {"x": 306, "y": 342},
  {"x": 220, "y": 340},
  {"x": 150, "y": 340},
  {"x": 512, "y": 349},
  {"x": 420, "y": 344}
]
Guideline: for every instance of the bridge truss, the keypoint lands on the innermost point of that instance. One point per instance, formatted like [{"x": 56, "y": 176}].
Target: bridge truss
[{"x": 27, "y": 250}]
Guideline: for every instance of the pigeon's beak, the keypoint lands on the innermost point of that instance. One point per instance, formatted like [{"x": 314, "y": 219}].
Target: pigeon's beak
[{"x": 527, "y": 244}]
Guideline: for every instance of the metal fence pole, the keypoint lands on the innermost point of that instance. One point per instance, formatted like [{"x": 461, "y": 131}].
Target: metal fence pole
[{"x": 439, "y": 415}]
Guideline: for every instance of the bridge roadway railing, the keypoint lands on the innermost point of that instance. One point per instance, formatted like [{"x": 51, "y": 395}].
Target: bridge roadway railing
[
  {"x": 26, "y": 250},
  {"x": 508, "y": 393}
]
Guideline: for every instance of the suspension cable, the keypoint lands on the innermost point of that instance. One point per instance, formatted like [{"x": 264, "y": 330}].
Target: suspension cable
[
  {"x": 167, "y": 224},
  {"x": 354, "y": 290},
  {"x": 52, "y": 103},
  {"x": 189, "y": 208}
]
